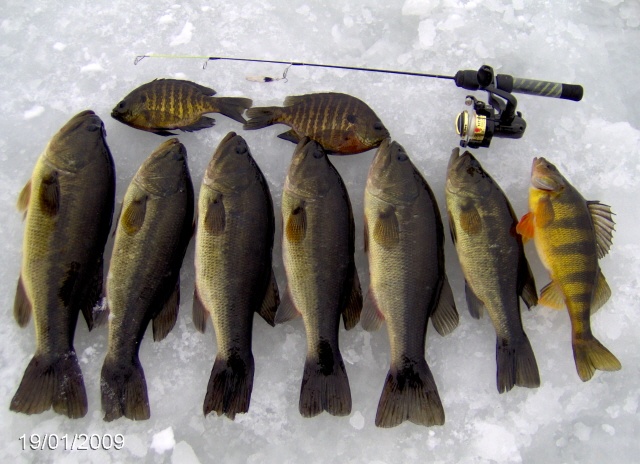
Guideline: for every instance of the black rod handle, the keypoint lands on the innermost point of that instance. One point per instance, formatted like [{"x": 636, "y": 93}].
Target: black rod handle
[{"x": 572, "y": 92}]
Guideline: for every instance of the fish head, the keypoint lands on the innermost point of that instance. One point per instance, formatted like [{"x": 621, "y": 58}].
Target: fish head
[
  {"x": 232, "y": 168},
  {"x": 308, "y": 174},
  {"x": 545, "y": 176},
  {"x": 465, "y": 176},
  {"x": 130, "y": 109},
  {"x": 164, "y": 171},
  {"x": 369, "y": 131},
  {"x": 72, "y": 147},
  {"x": 392, "y": 176}
]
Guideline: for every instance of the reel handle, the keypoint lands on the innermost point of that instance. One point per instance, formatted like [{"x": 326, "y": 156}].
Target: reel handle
[{"x": 479, "y": 80}]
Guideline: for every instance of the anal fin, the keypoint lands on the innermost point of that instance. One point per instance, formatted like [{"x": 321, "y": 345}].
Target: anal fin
[
  {"x": 270, "y": 303},
  {"x": 164, "y": 321},
  {"x": 21, "y": 305},
  {"x": 445, "y": 316}
]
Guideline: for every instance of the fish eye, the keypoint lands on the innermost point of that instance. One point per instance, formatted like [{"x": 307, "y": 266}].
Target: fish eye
[
  {"x": 351, "y": 118},
  {"x": 378, "y": 126},
  {"x": 122, "y": 105},
  {"x": 402, "y": 156},
  {"x": 317, "y": 154},
  {"x": 471, "y": 170}
]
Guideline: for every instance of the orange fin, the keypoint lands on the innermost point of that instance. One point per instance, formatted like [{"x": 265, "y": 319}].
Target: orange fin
[
  {"x": 526, "y": 227},
  {"x": 551, "y": 296}
]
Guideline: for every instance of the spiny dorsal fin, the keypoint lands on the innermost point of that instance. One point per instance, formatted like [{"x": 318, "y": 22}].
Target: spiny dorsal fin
[
  {"x": 603, "y": 224},
  {"x": 133, "y": 215},
  {"x": 215, "y": 218},
  {"x": 386, "y": 231}
]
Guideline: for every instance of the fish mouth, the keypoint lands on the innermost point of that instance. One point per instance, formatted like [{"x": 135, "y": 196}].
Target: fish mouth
[
  {"x": 540, "y": 175},
  {"x": 456, "y": 175}
]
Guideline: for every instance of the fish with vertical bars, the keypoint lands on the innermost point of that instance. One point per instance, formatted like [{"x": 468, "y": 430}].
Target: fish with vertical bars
[
  {"x": 342, "y": 124},
  {"x": 404, "y": 241},
  {"x": 496, "y": 272},
  {"x": 234, "y": 277},
  {"x": 318, "y": 253},
  {"x": 143, "y": 283},
  {"x": 68, "y": 204},
  {"x": 571, "y": 234},
  {"x": 162, "y": 105}
]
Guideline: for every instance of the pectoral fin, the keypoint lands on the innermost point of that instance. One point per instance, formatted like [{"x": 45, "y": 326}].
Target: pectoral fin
[
  {"x": 215, "y": 216},
  {"x": 132, "y": 217},
  {"x": 49, "y": 194},
  {"x": 544, "y": 212},
  {"x": 386, "y": 231},
  {"x": 470, "y": 221},
  {"x": 296, "y": 227}
]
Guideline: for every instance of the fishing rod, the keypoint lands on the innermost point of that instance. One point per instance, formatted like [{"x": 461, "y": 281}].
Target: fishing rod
[{"x": 476, "y": 126}]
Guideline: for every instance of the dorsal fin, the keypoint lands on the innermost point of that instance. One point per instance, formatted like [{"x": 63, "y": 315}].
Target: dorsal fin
[{"x": 603, "y": 224}]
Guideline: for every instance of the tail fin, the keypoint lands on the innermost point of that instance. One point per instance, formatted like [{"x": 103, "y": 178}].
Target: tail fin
[
  {"x": 52, "y": 381},
  {"x": 410, "y": 393},
  {"x": 261, "y": 117},
  {"x": 516, "y": 364},
  {"x": 124, "y": 390},
  {"x": 589, "y": 355},
  {"x": 230, "y": 386},
  {"x": 232, "y": 107},
  {"x": 325, "y": 385}
]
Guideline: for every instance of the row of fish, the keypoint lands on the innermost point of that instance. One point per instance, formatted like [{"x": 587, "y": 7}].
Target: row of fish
[
  {"x": 234, "y": 239},
  {"x": 341, "y": 123}
]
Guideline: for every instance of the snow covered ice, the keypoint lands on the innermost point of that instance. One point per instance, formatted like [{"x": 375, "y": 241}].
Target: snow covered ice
[{"x": 59, "y": 58}]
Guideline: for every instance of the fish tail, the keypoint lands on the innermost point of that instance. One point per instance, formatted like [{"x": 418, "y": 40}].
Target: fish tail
[
  {"x": 232, "y": 107},
  {"x": 325, "y": 385},
  {"x": 52, "y": 380},
  {"x": 262, "y": 117},
  {"x": 230, "y": 386},
  {"x": 124, "y": 390},
  {"x": 589, "y": 355},
  {"x": 410, "y": 393},
  {"x": 516, "y": 364}
]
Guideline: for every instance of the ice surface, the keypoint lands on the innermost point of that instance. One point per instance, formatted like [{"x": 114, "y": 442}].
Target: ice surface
[{"x": 59, "y": 58}]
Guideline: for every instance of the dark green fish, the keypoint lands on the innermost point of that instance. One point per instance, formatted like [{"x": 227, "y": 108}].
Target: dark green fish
[
  {"x": 69, "y": 206},
  {"x": 317, "y": 250},
  {"x": 143, "y": 284},
  {"x": 404, "y": 240},
  {"x": 234, "y": 279},
  {"x": 342, "y": 124},
  {"x": 492, "y": 259},
  {"x": 165, "y": 104}
]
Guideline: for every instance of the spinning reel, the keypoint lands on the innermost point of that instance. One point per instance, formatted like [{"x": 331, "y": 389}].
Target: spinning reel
[{"x": 499, "y": 118}]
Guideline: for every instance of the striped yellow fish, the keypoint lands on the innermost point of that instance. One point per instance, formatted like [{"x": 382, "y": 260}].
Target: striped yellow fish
[
  {"x": 342, "y": 124},
  {"x": 571, "y": 234},
  {"x": 165, "y": 104}
]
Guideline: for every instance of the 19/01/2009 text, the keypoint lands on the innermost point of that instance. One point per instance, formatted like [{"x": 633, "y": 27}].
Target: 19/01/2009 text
[{"x": 77, "y": 441}]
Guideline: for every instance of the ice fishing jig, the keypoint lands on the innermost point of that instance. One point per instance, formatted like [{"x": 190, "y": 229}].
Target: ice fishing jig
[{"x": 476, "y": 126}]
